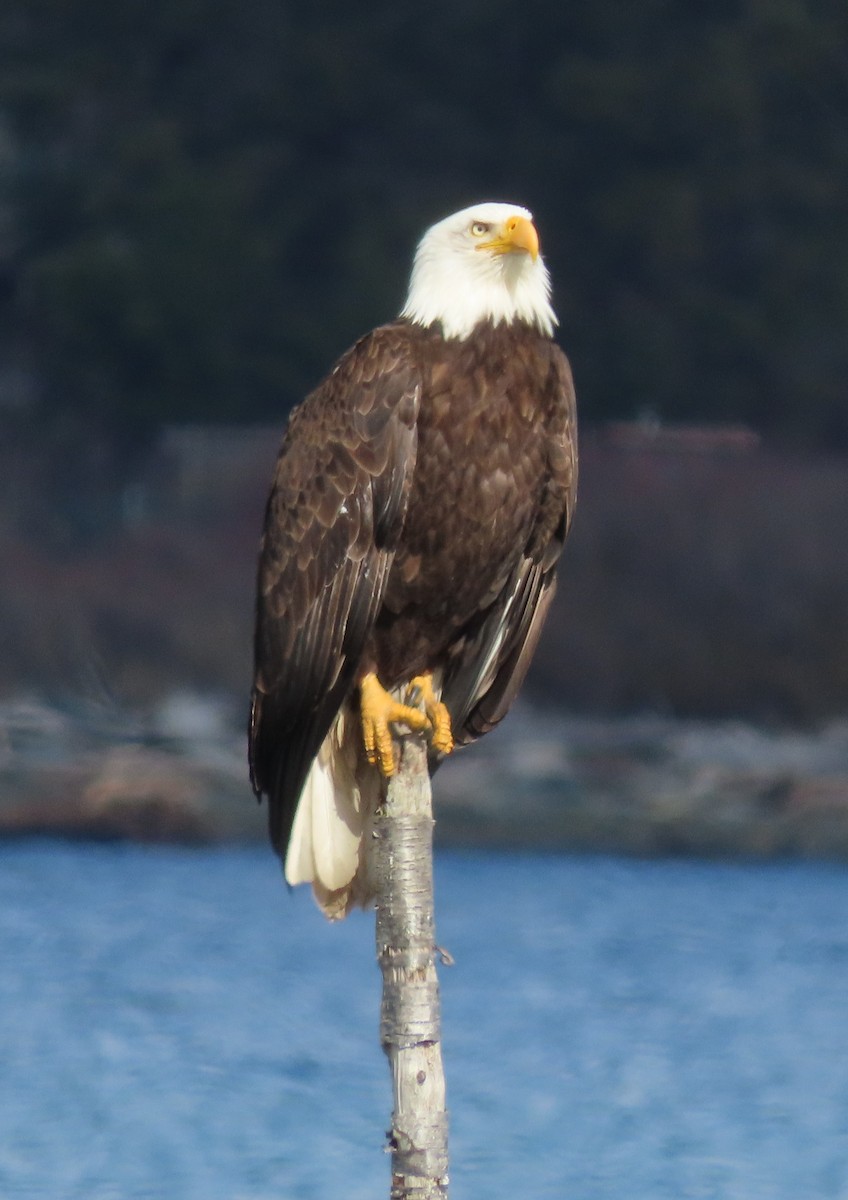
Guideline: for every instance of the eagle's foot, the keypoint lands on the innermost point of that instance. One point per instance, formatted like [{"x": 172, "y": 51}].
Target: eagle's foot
[
  {"x": 421, "y": 689},
  {"x": 378, "y": 711}
]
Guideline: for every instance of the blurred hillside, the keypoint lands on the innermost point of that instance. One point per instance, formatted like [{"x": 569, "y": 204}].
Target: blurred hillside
[
  {"x": 203, "y": 202},
  {"x": 706, "y": 576}
]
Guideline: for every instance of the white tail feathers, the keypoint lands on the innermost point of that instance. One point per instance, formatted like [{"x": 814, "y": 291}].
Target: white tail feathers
[{"x": 334, "y": 811}]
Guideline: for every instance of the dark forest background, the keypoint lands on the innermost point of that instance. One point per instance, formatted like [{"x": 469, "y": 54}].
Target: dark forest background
[{"x": 203, "y": 202}]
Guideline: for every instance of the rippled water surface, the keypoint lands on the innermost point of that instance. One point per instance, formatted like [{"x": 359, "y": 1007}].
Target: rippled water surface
[{"x": 173, "y": 1024}]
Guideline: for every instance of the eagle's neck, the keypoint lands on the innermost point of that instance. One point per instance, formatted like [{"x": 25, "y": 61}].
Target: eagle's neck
[{"x": 458, "y": 296}]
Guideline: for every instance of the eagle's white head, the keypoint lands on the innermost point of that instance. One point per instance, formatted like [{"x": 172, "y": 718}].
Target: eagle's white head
[{"x": 480, "y": 264}]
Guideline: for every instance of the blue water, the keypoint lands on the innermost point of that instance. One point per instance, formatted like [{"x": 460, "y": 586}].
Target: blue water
[{"x": 174, "y": 1025}]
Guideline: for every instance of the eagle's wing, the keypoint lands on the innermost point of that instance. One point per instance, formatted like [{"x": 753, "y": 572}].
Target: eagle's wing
[
  {"x": 483, "y": 680},
  {"x": 332, "y": 522}
]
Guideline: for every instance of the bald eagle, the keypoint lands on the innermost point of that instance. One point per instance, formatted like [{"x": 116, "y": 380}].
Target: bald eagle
[{"x": 420, "y": 503}]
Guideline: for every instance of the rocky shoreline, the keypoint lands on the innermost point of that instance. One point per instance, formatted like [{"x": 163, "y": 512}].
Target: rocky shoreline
[{"x": 640, "y": 785}]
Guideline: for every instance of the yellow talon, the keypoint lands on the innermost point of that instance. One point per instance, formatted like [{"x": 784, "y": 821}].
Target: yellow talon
[
  {"x": 378, "y": 711},
  {"x": 421, "y": 688}
]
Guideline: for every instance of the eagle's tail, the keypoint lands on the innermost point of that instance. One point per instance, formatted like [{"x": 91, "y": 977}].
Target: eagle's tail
[{"x": 333, "y": 814}]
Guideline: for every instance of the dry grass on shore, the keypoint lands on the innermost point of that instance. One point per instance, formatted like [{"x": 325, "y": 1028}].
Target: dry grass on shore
[{"x": 697, "y": 582}]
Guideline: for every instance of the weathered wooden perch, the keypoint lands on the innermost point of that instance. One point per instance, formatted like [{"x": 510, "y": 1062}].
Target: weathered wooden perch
[{"x": 410, "y": 1023}]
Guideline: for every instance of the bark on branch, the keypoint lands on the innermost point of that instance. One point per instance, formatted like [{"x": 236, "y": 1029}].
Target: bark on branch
[{"x": 410, "y": 1025}]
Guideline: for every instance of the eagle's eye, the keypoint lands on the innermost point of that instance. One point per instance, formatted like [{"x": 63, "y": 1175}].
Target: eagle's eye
[{"x": 479, "y": 228}]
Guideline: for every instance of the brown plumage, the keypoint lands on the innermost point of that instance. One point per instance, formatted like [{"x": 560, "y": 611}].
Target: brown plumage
[{"x": 419, "y": 506}]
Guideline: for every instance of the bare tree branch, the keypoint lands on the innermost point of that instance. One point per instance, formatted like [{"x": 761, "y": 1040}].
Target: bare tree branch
[{"x": 410, "y": 1024}]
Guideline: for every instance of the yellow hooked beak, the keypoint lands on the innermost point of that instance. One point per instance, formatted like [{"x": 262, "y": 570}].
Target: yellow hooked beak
[{"x": 516, "y": 234}]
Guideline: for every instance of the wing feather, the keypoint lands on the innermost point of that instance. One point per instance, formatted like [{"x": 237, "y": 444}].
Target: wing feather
[
  {"x": 332, "y": 524},
  {"x": 481, "y": 683}
]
